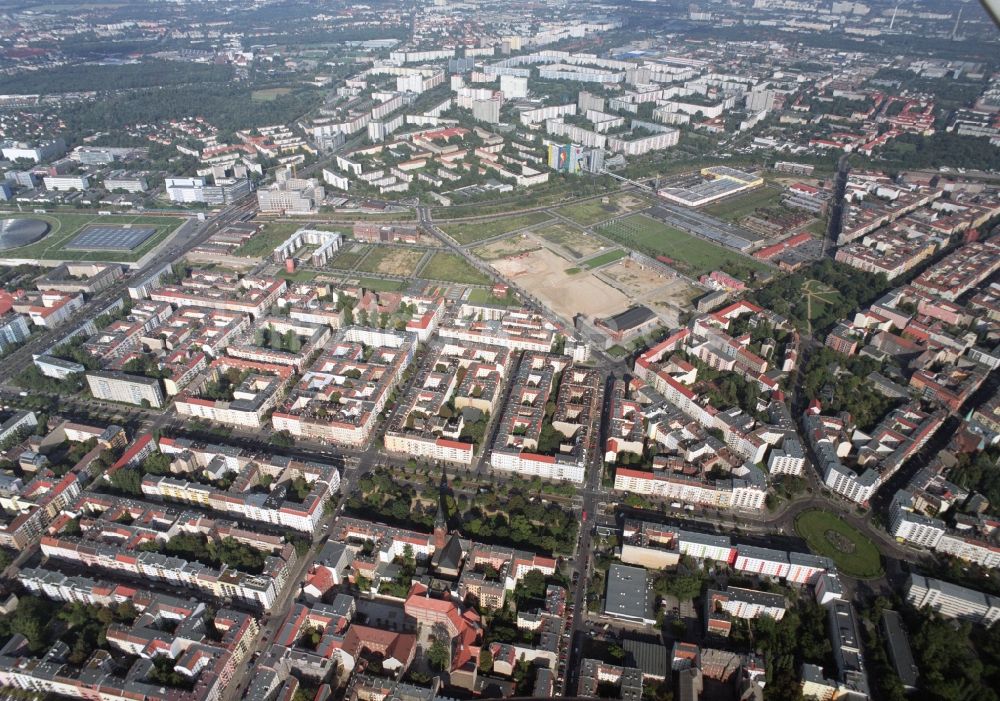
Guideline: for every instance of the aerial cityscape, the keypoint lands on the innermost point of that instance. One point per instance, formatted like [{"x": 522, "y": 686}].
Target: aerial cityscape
[{"x": 430, "y": 350}]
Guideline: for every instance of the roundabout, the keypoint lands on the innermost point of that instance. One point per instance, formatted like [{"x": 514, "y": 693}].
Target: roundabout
[{"x": 826, "y": 534}]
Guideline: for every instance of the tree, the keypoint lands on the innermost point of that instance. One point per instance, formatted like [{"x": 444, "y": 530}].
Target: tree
[
  {"x": 532, "y": 585},
  {"x": 438, "y": 656},
  {"x": 282, "y": 439},
  {"x": 485, "y": 659},
  {"x": 127, "y": 480},
  {"x": 156, "y": 464},
  {"x": 680, "y": 586}
]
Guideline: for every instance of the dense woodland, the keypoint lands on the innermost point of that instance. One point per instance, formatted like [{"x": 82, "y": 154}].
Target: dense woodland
[{"x": 148, "y": 73}]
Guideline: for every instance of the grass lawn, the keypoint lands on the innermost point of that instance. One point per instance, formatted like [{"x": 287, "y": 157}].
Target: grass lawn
[
  {"x": 348, "y": 257},
  {"x": 298, "y": 275},
  {"x": 470, "y": 232},
  {"x": 380, "y": 285},
  {"x": 481, "y": 296},
  {"x": 604, "y": 259},
  {"x": 594, "y": 211},
  {"x": 267, "y": 239},
  {"x": 817, "y": 227},
  {"x": 690, "y": 254},
  {"x": 268, "y": 94},
  {"x": 450, "y": 268},
  {"x": 391, "y": 261},
  {"x": 740, "y": 206},
  {"x": 64, "y": 227},
  {"x": 817, "y": 296},
  {"x": 854, "y": 554}
]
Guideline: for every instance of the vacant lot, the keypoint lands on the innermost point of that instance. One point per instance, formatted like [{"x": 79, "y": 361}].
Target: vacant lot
[
  {"x": 470, "y": 232},
  {"x": 449, "y": 267},
  {"x": 687, "y": 253},
  {"x": 740, "y": 206},
  {"x": 575, "y": 242},
  {"x": 391, "y": 261},
  {"x": 506, "y": 247},
  {"x": 828, "y": 535},
  {"x": 597, "y": 210},
  {"x": 348, "y": 257},
  {"x": 665, "y": 294},
  {"x": 64, "y": 227},
  {"x": 543, "y": 274}
]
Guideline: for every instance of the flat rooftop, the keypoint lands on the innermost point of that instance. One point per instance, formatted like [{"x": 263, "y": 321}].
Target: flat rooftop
[{"x": 627, "y": 595}]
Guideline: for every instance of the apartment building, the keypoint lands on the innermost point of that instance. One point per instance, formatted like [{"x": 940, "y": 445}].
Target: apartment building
[
  {"x": 340, "y": 397},
  {"x": 249, "y": 295},
  {"x": 548, "y": 427},
  {"x": 129, "y": 389},
  {"x": 952, "y": 601}
]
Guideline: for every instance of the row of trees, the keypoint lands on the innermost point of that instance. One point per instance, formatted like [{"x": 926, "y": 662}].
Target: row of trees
[
  {"x": 200, "y": 548},
  {"x": 268, "y": 337}
]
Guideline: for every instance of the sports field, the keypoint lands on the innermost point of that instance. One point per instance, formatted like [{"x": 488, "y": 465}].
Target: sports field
[
  {"x": 689, "y": 254},
  {"x": 470, "y": 232},
  {"x": 64, "y": 228},
  {"x": 735, "y": 208},
  {"x": 828, "y": 535}
]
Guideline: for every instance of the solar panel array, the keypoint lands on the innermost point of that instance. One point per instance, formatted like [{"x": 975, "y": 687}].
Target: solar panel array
[{"x": 110, "y": 238}]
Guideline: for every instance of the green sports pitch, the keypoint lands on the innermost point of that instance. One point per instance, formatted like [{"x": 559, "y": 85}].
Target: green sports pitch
[{"x": 65, "y": 228}]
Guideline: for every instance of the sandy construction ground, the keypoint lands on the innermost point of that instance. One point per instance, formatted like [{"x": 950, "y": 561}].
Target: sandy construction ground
[
  {"x": 574, "y": 242},
  {"x": 506, "y": 247},
  {"x": 543, "y": 273},
  {"x": 664, "y": 294}
]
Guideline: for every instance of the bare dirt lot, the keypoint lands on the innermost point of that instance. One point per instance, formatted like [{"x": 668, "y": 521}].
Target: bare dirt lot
[
  {"x": 543, "y": 273},
  {"x": 577, "y": 244},
  {"x": 391, "y": 261},
  {"x": 503, "y": 248},
  {"x": 646, "y": 285}
]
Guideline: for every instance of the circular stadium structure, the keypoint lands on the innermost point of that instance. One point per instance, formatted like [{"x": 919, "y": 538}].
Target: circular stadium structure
[{"x": 15, "y": 233}]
